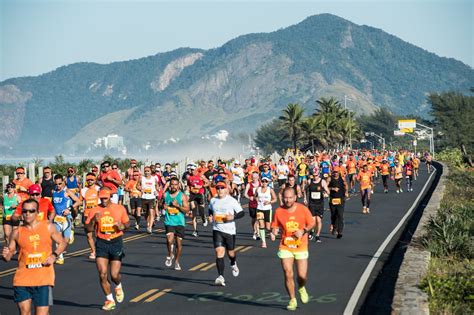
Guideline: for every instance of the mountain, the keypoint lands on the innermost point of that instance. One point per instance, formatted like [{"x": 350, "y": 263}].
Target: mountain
[{"x": 188, "y": 93}]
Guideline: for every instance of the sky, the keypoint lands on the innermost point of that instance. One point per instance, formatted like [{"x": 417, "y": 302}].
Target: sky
[{"x": 39, "y": 36}]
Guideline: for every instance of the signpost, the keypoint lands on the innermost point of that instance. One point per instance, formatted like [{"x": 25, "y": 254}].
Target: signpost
[{"x": 407, "y": 123}]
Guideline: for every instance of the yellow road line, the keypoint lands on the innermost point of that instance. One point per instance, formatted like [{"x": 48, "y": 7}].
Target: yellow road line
[
  {"x": 238, "y": 248},
  {"x": 7, "y": 271},
  {"x": 80, "y": 252},
  {"x": 143, "y": 295},
  {"x": 246, "y": 249},
  {"x": 208, "y": 267},
  {"x": 157, "y": 295},
  {"x": 198, "y": 266}
]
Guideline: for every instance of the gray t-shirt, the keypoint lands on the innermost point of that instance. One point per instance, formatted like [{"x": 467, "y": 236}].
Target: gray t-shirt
[{"x": 221, "y": 208}]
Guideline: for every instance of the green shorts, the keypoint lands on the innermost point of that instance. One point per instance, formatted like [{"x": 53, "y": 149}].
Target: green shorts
[{"x": 284, "y": 253}]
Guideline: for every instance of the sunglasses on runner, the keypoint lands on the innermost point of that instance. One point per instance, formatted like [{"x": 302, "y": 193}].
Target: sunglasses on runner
[
  {"x": 35, "y": 194},
  {"x": 115, "y": 168},
  {"x": 28, "y": 211},
  {"x": 19, "y": 173},
  {"x": 220, "y": 188}
]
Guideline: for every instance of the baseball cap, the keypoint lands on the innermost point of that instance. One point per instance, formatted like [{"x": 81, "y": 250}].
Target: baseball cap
[
  {"x": 34, "y": 189},
  {"x": 236, "y": 162},
  {"x": 104, "y": 193},
  {"x": 221, "y": 184},
  {"x": 266, "y": 179}
]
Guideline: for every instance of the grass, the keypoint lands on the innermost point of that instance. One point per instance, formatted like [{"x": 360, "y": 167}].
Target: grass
[{"x": 449, "y": 237}]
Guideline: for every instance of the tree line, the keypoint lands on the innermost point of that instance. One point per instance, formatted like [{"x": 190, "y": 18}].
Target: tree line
[{"x": 331, "y": 126}]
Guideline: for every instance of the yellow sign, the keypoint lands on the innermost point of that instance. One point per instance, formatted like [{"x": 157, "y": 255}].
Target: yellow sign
[
  {"x": 406, "y": 130},
  {"x": 406, "y": 123}
]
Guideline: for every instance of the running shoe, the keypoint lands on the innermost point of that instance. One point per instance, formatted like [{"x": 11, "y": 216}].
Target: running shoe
[
  {"x": 148, "y": 229},
  {"x": 303, "y": 295},
  {"x": 137, "y": 227},
  {"x": 292, "y": 305},
  {"x": 60, "y": 261},
  {"x": 92, "y": 256},
  {"x": 195, "y": 234},
  {"x": 108, "y": 305},
  {"x": 254, "y": 236},
  {"x": 339, "y": 235},
  {"x": 119, "y": 295},
  {"x": 177, "y": 266},
  {"x": 235, "y": 270},
  {"x": 220, "y": 281},
  {"x": 205, "y": 223},
  {"x": 318, "y": 240},
  {"x": 368, "y": 211},
  {"x": 169, "y": 261},
  {"x": 71, "y": 238},
  {"x": 264, "y": 245}
]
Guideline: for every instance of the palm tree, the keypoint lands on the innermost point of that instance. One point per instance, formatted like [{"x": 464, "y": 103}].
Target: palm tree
[
  {"x": 327, "y": 116},
  {"x": 311, "y": 131},
  {"x": 292, "y": 118}
]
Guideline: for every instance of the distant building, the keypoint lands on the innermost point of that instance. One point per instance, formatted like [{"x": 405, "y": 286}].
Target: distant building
[{"x": 114, "y": 142}]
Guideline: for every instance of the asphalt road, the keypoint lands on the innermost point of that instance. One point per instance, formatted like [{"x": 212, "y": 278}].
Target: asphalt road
[{"x": 335, "y": 267}]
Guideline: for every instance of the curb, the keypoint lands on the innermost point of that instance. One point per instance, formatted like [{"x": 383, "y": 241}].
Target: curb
[{"x": 408, "y": 297}]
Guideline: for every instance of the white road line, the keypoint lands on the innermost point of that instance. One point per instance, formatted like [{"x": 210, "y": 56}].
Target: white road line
[{"x": 365, "y": 276}]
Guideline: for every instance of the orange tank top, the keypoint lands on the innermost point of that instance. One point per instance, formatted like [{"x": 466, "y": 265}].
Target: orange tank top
[{"x": 35, "y": 246}]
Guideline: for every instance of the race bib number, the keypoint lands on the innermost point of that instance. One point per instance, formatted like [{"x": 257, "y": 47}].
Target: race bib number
[
  {"x": 91, "y": 204},
  {"x": 291, "y": 242},
  {"x": 315, "y": 195},
  {"x": 35, "y": 260},
  {"x": 260, "y": 216},
  {"x": 8, "y": 217},
  {"x": 195, "y": 190},
  {"x": 336, "y": 201},
  {"x": 107, "y": 228},
  {"x": 147, "y": 190},
  {"x": 59, "y": 219},
  {"x": 135, "y": 193},
  {"x": 173, "y": 211},
  {"x": 219, "y": 218}
]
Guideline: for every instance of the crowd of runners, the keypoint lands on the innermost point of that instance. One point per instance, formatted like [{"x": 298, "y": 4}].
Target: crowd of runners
[{"x": 39, "y": 219}]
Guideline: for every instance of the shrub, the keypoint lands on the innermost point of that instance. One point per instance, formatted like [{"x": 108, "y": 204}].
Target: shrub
[{"x": 450, "y": 286}]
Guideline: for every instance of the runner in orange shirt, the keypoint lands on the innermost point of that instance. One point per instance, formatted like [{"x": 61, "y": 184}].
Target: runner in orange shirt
[
  {"x": 22, "y": 183},
  {"x": 109, "y": 221},
  {"x": 351, "y": 172},
  {"x": 45, "y": 210},
  {"x": 295, "y": 221},
  {"x": 385, "y": 172},
  {"x": 90, "y": 197},
  {"x": 134, "y": 188},
  {"x": 34, "y": 277},
  {"x": 365, "y": 181}
]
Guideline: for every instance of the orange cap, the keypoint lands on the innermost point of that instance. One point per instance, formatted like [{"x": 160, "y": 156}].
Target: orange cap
[{"x": 104, "y": 193}]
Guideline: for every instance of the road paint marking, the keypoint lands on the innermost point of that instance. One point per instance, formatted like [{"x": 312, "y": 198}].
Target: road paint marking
[
  {"x": 143, "y": 295},
  {"x": 349, "y": 310},
  {"x": 80, "y": 252},
  {"x": 154, "y": 297},
  {"x": 198, "y": 266},
  {"x": 246, "y": 249},
  {"x": 7, "y": 271},
  {"x": 238, "y": 248},
  {"x": 208, "y": 267}
]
